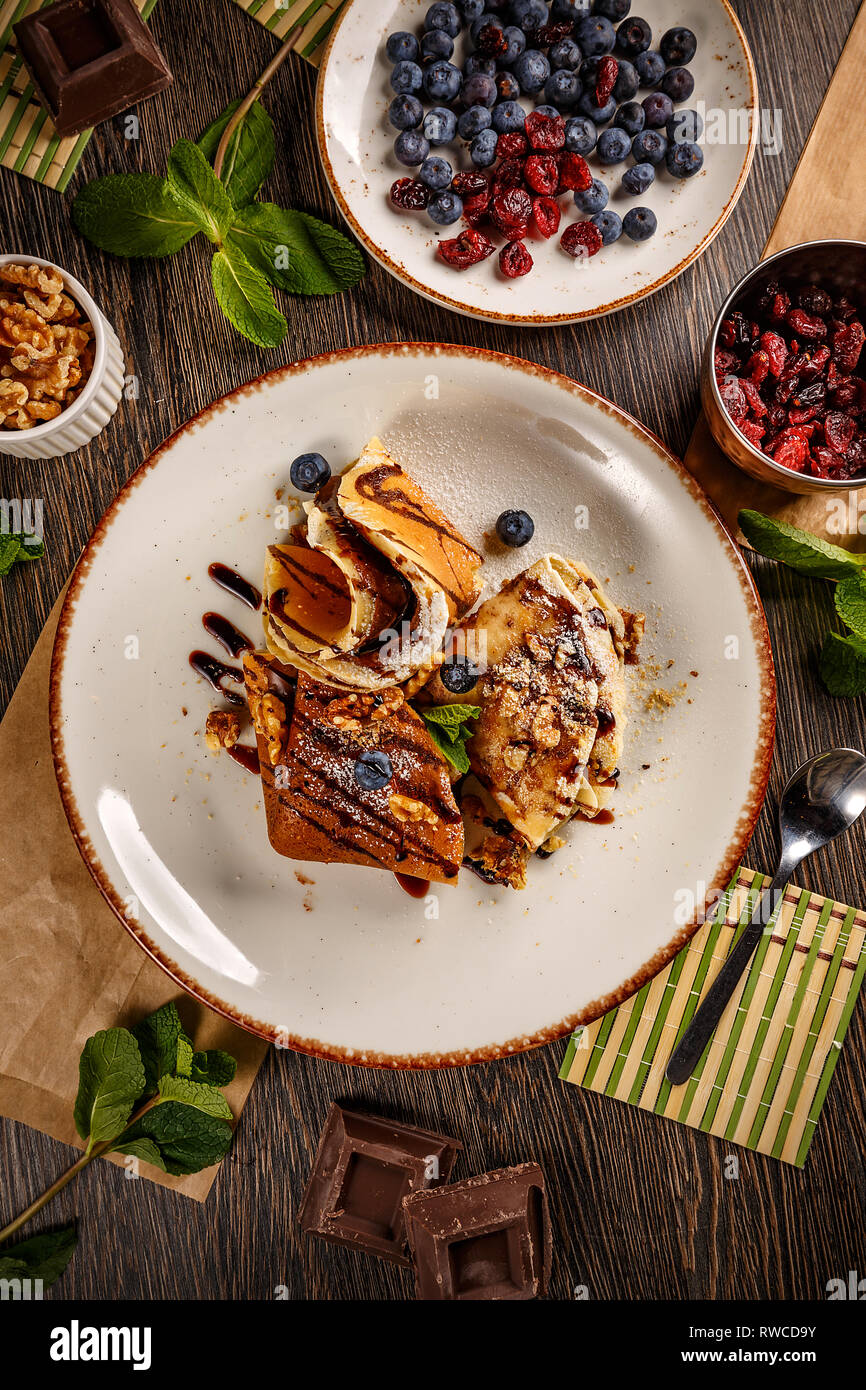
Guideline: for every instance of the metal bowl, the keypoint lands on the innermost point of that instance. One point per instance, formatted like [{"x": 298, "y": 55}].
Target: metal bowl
[{"x": 838, "y": 267}]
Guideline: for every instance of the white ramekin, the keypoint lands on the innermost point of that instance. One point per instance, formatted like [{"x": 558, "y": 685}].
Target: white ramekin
[{"x": 91, "y": 411}]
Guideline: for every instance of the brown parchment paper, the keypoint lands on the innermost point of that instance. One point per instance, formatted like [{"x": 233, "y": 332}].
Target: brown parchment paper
[
  {"x": 67, "y": 966},
  {"x": 826, "y": 198}
]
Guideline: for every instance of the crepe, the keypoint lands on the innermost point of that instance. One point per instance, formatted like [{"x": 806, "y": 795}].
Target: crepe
[
  {"x": 309, "y": 737},
  {"x": 550, "y": 649},
  {"x": 363, "y": 596}
]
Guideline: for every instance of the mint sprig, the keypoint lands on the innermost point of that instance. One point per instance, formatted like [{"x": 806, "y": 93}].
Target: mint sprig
[
  {"x": 447, "y": 726},
  {"x": 843, "y": 658},
  {"x": 209, "y": 188},
  {"x": 15, "y": 547},
  {"x": 143, "y": 1092}
]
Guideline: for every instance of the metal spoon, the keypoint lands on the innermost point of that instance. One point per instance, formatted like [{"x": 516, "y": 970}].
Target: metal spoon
[{"x": 823, "y": 798}]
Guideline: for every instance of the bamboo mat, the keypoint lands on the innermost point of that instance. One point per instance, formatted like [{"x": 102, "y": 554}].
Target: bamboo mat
[
  {"x": 764, "y": 1077},
  {"x": 29, "y": 143}
]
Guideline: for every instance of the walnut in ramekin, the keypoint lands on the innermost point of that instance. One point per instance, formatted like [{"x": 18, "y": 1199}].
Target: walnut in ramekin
[{"x": 46, "y": 346}]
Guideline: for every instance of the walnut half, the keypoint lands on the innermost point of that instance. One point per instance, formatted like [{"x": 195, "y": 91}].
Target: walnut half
[{"x": 222, "y": 729}]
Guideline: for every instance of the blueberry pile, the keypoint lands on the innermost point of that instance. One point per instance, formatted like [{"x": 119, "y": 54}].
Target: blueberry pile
[{"x": 541, "y": 87}]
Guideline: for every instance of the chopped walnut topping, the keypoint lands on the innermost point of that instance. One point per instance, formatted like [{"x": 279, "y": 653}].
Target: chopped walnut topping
[
  {"x": 222, "y": 729},
  {"x": 348, "y": 711},
  {"x": 544, "y": 731},
  {"x": 272, "y": 725},
  {"x": 46, "y": 348},
  {"x": 404, "y": 808},
  {"x": 537, "y": 647},
  {"x": 515, "y": 755}
]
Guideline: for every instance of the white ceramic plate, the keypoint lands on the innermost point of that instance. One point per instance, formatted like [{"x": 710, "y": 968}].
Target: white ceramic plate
[
  {"x": 348, "y": 965},
  {"x": 356, "y": 146}
]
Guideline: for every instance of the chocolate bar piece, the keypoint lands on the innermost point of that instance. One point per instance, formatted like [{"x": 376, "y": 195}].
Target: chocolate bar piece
[
  {"x": 364, "y": 1167},
  {"x": 483, "y": 1238},
  {"x": 90, "y": 60}
]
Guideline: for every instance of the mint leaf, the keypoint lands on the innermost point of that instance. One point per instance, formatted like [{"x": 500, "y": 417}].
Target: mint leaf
[
  {"x": 132, "y": 215},
  {"x": 158, "y": 1037},
  {"x": 42, "y": 1257},
  {"x": 250, "y": 154},
  {"x": 296, "y": 252},
  {"x": 843, "y": 665},
  {"x": 145, "y": 1149},
  {"x": 185, "y": 1054},
  {"x": 243, "y": 295},
  {"x": 111, "y": 1079},
  {"x": 215, "y": 1067},
  {"x": 850, "y": 600},
  {"x": 14, "y": 548},
  {"x": 187, "y": 1139},
  {"x": 451, "y": 716},
  {"x": 194, "y": 185},
  {"x": 196, "y": 1094},
  {"x": 800, "y": 550},
  {"x": 453, "y": 750}
]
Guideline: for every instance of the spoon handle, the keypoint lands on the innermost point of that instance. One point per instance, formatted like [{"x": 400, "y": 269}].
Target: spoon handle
[{"x": 690, "y": 1048}]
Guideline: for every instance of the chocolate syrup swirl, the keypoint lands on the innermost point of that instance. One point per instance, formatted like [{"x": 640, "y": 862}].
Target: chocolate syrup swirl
[
  {"x": 229, "y": 637},
  {"x": 214, "y": 671},
  {"x": 235, "y": 584}
]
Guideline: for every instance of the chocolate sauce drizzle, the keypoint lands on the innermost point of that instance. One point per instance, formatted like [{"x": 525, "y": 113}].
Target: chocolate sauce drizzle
[
  {"x": 235, "y": 584},
  {"x": 214, "y": 671},
  {"x": 229, "y": 637}
]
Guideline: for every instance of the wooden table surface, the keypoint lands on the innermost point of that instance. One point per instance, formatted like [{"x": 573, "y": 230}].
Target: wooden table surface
[{"x": 641, "y": 1206}]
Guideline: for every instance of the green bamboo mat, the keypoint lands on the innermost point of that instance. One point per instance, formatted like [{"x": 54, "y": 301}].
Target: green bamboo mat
[
  {"x": 29, "y": 143},
  {"x": 764, "y": 1076}
]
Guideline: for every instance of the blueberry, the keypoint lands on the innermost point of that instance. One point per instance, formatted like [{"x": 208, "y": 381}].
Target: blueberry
[
  {"x": 445, "y": 17},
  {"x": 441, "y": 81},
  {"x": 482, "y": 151},
  {"x": 633, "y": 36},
  {"x": 435, "y": 46},
  {"x": 595, "y": 35},
  {"x": 580, "y": 135},
  {"x": 475, "y": 63},
  {"x": 592, "y": 199},
  {"x": 685, "y": 125},
  {"x": 650, "y": 146},
  {"x": 684, "y": 159},
  {"x": 639, "y": 223},
  {"x": 528, "y": 14},
  {"x": 402, "y": 47},
  {"x": 610, "y": 225},
  {"x": 589, "y": 71},
  {"x": 547, "y": 111},
  {"x": 406, "y": 77},
  {"x": 532, "y": 70},
  {"x": 472, "y": 122},
  {"x": 411, "y": 147},
  {"x": 613, "y": 9},
  {"x": 516, "y": 45},
  {"x": 565, "y": 54},
  {"x": 436, "y": 172},
  {"x": 614, "y": 146},
  {"x": 638, "y": 179},
  {"x": 405, "y": 112},
  {"x": 678, "y": 84},
  {"x": 458, "y": 675},
  {"x": 447, "y": 206},
  {"x": 470, "y": 9},
  {"x": 478, "y": 90},
  {"x": 309, "y": 472},
  {"x": 515, "y": 528},
  {"x": 678, "y": 46},
  {"x": 627, "y": 81},
  {"x": 485, "y": 21},
  {"x": 658, "y": 109},
  {"x": 562, "y": 88},
  {"x": 631, "y": 117},
  {"x": 599, "y": 114},
  {"x": 570, "y": 9},
  {"x": 440, "y": 125},
  {"x": 507, "y": 86},
  {"x": 373, "y": 770},
  {"x": 650, "y": 68},
  {"x": 508, "y": 116}
]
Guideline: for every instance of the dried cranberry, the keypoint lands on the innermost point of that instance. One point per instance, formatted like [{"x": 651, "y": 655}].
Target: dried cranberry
[
  {"x": 844, "y": 310},
  {"x": 410, "y": 194},
  {"x": 807, "y": 326},
  {"x": 545, "y": 133},
  {"x": 546, "y": 215},
  {"x": 839, "y": 431},
  {"x": 813, "y": 394},
  {"x": 777, "y": 351},
  {"x": 824, "y": 462},
  {"x": 791, "y": 449},
  {"x": 753, "y": 397},
  {"x": 512, "y": 143},
  {"x": 725, "y": 361},
  {"x": 815, "y": 301},
  {"x": 778, "y": 310},
  {"x": 758, "y": 366},
  {"x": 554, "y": 33},
  {"x": 476, "y": 207},
  {"x": 753, "y": 431},
  {"x": 510, "y": 211},
  {"x": 733, "y": 398},
  {"x": 514, "y": 260},
  {"x": 847, "y": 344},
  {"x": 581, "y": 239},
  {"x": 816, "y": 363},
  {"x": 491, "y": 41},
  {"x": 736, "y": 331},
  {"x": 764, "y": 301},
  {"x": 508, "y": 173},
  {"x": 574, "y": 172},
  {"x": 541, "y": 172},
  {"x": 608, "y": 71},
  {"x": 465, "y": 250},
  {"x": 855, "y": 457},
  {"x": 469, "y": 182}
]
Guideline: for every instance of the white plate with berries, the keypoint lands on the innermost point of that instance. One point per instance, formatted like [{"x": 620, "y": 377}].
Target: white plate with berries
[{"x": 534, "y": 162}]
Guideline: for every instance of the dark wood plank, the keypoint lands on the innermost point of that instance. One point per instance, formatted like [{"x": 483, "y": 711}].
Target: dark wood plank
[{"x": 641, "y": 1206}]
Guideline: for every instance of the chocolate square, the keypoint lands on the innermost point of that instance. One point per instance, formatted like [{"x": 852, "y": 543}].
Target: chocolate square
[
  {"x": 90, "y": 60},
  {"x": 486, "y": 1237},
  {"x": 363, "y": 1169}
]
